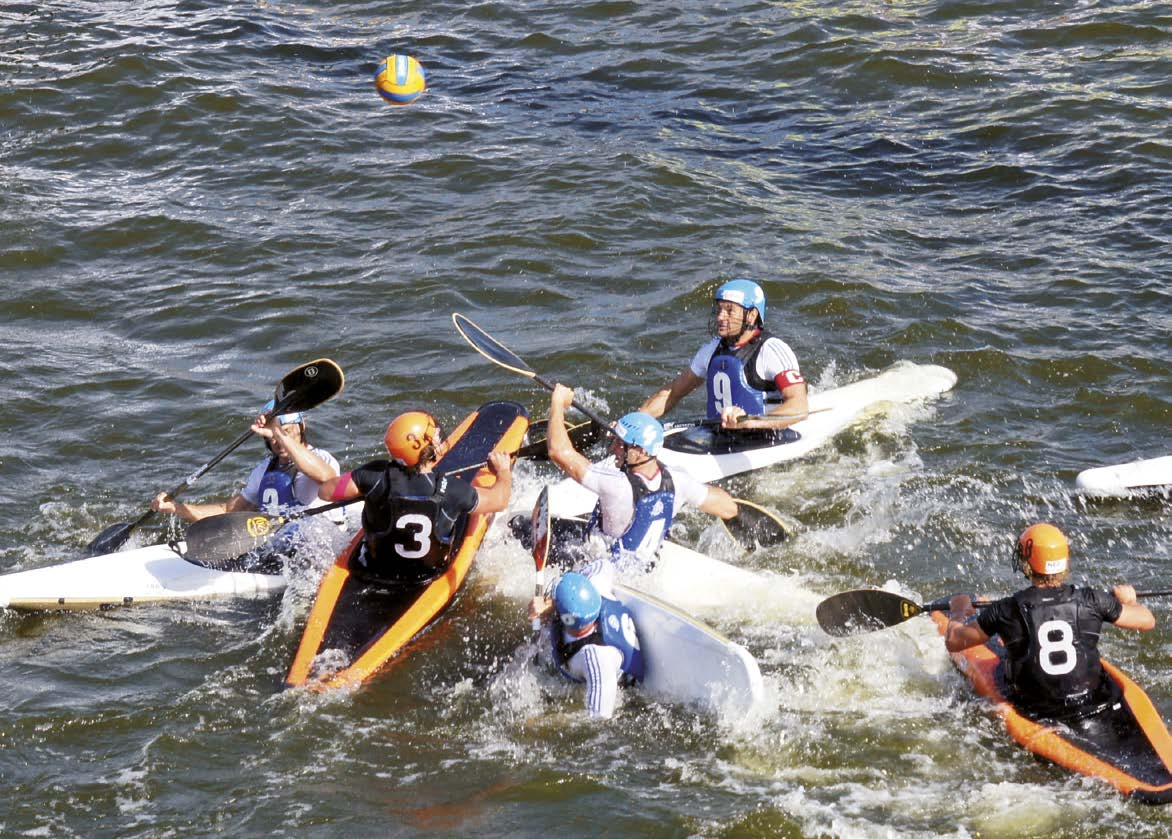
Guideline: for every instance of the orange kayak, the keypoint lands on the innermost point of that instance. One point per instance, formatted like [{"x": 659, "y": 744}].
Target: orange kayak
[
  {"x": 363, "y": 626},
  {"x": 1125, "y": 743}
]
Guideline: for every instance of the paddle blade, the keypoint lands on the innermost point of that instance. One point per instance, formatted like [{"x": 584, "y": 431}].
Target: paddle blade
[
  {"x": 216, "y": 541},
  {"x": 540, "y": 521},
  {"x": 583, "y": 435},
  {"x": 309, "y": 385},
  {"x": 110, "y": 539},
  {"x": 757, "y": 526},
  {"x": 490, "y": 347},
  {"x": 864, "y": 610}
]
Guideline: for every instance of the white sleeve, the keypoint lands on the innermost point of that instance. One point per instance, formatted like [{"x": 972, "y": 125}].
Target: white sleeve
[
  {"x": 688, "y": 491},
  {"x": 699, "y": 365},
  {"x": 601, "y": 668},
  {"x": 614, "y": 494},
  {"x": 775, "y": 358},
  {"x": 251, "y": 491},
  {"x": 305, "y": 488}
]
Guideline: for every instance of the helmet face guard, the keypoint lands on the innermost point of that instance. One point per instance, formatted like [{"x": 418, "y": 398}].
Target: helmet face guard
[{"x": 744, "y": 293}]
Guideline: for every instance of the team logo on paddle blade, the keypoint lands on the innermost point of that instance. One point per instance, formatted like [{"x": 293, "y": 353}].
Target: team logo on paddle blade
[
  {"x": 257, "y": 526},
  {"x": 310, "y": 372},
  {"x": 905, "y": 610}
]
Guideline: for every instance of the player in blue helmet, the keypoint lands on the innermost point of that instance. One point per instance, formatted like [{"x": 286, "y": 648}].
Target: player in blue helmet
[
  {"x": 593, "y": 638},
  {"x": 288, "y": 478},
  {"x": 576, "y": 603},
  {"x": 747, "y": 371},
  {"x": 637, "y": 497}
]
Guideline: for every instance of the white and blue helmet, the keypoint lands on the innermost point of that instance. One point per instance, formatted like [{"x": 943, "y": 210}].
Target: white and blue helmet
[
  {"x": 745, "y": 293},
  {"x": 642, "y": 430},
  {"x": 576, "y": 601},
  {"x": 295, "y": 418}
]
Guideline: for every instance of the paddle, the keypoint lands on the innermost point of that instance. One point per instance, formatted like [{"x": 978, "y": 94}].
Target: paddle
[
  {"x": 541, "y": 542},
  {"x": 216, "y": 540},
  {"x": 713, "y": 423},
  {"x": 499, "y": 354},
  {"x": 303, "y": 388},
  {"x": 757, "y": 526},
  {"x": 582, "y": 434},
  {"x": 868, "y": 610}
]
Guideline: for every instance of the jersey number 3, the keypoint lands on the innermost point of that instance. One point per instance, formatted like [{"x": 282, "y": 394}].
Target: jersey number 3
[{"x": 415, "y": 530}]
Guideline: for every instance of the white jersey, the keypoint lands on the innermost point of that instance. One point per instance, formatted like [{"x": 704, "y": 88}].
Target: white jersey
[
  {"x": 618, "y": 500},
  {"x": 774, "y": 358}
]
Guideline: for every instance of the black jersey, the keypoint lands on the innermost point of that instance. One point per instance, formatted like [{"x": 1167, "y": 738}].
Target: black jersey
[
  {"x": 409, "y": 521},
  {"x": 1051, "y": 636}
]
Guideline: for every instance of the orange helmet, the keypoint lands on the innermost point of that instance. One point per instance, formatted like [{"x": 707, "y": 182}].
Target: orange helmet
[
  {"x": 408, "y": 435},
  {"x": 1044, "y": 548}
]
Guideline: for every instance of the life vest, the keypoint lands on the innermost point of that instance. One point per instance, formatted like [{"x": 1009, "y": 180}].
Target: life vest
[
  {"x": 406, "y": 543},
  {"x": 275, "y": 492},
  {"x": 649, "y": 523},
  {"x": 615, "y": 628},
  {"x": 1056, "y": 665},
  {"x": 733, "y": 380}
]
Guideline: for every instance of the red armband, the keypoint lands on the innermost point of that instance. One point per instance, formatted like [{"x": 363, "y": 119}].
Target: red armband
[
  {"x": 789, "y": 377},
  {"x": 342, "y": 487}
]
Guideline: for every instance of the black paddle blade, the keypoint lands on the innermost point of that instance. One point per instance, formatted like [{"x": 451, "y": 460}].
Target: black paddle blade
[
  {"x": 110, "y": 539},
  {"x": 757, "y": 526},
  {"x": 583, "y": 435},
  {"x": 864, "y": 610},
  {"x": 216, "y": 541},
  {"x": 490, "y": 347},
  {"x": 309, "y": 385}
]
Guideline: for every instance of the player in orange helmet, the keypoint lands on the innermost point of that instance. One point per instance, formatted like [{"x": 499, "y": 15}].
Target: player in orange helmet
[
  {"x": 410, "y": 514},
  {"x": 1050, "y": 629}
]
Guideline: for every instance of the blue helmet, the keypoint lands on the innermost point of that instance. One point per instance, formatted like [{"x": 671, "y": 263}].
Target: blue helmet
[
  {"x": 285, "y": 419},
  {"x": 744, "y": 293},
  {"x": 576, "y": 601},
  {"x": 642, "y": 430}
]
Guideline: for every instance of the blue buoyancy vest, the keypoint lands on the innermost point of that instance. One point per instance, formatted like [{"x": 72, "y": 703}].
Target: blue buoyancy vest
[
  {"x": 649, "y": 523},
  {"x": 275, "y": 493},
  {"x": 615, "y": 628},
  {"x": 733, "y": 379}
]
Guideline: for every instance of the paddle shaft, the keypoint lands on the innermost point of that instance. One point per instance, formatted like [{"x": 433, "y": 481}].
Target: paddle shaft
[
  {"x": 710, "y": 423},
  {"x": 942, "y": 605}
]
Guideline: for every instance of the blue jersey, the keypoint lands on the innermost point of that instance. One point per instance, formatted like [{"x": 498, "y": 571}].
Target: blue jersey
[
  {"x": 615, "y": 628},
  {"x": 649, "y": 524},
  {"x": 733, "y": 379}
]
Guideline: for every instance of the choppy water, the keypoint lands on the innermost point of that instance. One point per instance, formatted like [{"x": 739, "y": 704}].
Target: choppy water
[{"x": 196, "y": 197}]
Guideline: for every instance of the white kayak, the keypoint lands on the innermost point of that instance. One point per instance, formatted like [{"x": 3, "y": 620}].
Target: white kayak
[
  {"x": 142, "y": 575},
  {"x": 836, "y": 409},
  {"x": 158, "y": 573},
  {"x": 688, "y": 662},
  {"x": 1123, "y": 479}
]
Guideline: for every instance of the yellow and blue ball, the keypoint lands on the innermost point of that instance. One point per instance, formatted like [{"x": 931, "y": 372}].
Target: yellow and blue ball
[{"x": 400, "y": 79}]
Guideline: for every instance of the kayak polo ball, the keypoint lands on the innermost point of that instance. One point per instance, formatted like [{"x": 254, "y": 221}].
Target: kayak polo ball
[{"x": 400, "y": 79}]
